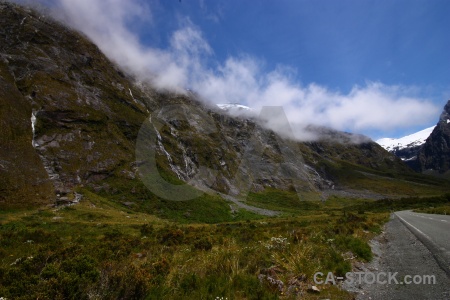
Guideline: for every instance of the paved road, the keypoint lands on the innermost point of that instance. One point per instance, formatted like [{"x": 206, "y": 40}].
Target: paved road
[
  {"x": 400, "y": 249},
  {"x": 433, "y": 231}
]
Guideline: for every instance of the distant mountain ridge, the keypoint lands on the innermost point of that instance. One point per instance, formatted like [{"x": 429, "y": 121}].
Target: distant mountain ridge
[
  {"x": 413, "y": 140},
  {"x": 407, "y": 147},
  {"x": 426, "y": 150}
]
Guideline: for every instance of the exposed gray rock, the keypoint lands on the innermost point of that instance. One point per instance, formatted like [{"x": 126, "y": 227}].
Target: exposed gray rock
[
  {"x": 434, "y": 156},
  {"x": 82, "y": 116}
]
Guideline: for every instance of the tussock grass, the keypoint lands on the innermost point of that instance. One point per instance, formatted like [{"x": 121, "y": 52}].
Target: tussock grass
[
  {"x": 130, "y": 258},
  {"x": 101, "y": 249}
]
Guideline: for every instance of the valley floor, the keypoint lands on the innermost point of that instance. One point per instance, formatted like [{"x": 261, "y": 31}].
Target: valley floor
[{"x": 102, "y": 249}]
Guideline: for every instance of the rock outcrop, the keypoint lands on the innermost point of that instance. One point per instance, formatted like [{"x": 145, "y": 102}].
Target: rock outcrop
[
  {"x": 68, "y": 118},
  {"x": 434, "y": 156}
]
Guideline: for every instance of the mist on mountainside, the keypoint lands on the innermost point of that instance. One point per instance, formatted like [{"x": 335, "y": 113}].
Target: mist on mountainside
[{"x": 188, "y": 64}]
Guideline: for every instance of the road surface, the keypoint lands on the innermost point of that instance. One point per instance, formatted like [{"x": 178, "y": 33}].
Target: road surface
[
  {"x": 433, "y": 231},
  {"x": 411, "y": 244}
]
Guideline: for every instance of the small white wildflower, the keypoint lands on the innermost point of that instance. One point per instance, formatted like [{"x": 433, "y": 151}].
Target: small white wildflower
[{"x": 277, "y": 242}]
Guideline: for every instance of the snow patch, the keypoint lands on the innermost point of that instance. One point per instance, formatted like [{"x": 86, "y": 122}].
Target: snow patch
[
  {"x": 233, "y": 106},
  {"x": 412, "y": 140},
  {"x": 237, "y": 110},
  {"x": 409, "y": 159}
]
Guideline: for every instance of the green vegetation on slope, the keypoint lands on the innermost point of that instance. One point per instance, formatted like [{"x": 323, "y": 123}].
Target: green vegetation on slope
[
  {"x": 392, "y": 205},
  {"x": 443, "y": 209},
  {"x": 383, "y": 181}
]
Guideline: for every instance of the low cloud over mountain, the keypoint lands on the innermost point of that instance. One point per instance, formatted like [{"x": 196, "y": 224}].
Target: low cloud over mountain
[{"x": 189, "y": 62}]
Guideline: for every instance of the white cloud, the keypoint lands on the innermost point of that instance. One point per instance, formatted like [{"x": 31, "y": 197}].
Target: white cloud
[
  {"x": 374, "y": 106},
  {"x": 183, "y": 64}
]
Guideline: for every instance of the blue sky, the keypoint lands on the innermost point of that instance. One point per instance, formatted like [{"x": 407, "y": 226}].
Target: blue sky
[
  {"x": 381, "y": 68},
  {"x": 334, "y": 43}
]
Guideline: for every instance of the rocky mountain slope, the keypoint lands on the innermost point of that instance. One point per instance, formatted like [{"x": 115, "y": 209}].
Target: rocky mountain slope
[
  {"x": 427, "y": 150},
  {"x": 73, "y": 121},
  {"x": 434, "y": 156},
  {"x": 68, "y": 117}
]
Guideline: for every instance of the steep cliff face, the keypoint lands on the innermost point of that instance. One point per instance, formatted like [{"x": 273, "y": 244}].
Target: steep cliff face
[
  {"x": 67, "y": 113},
  {"x": 23, "y": 179},
  {"x": 71, "y": 118},
  {"x": 434, "y": 156}
]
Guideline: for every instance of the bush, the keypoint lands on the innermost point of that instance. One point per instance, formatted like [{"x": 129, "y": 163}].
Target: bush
[
  {"x": 356, "y": 246},
  {"x": 159, "y": 270},
  {"x": 124, "y": 282},
  {"x": 40, "y": 236},
  {"x": 171, "y": 236},
  {"x": 203, "y": 244},
  {"x": 147, "y": 229},
  {"x": 82, "y": 266},
  {"x": 189, "y": 282},
  {"x": 50, "y": 271},
  {"x": 113, "y": 234}
]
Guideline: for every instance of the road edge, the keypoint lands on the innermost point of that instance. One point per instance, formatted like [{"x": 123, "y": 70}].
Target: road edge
[{"x": 436, "y": 252}]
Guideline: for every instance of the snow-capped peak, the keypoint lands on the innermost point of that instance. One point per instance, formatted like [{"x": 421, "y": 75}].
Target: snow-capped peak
[
  {"x": 412, "y": 140},
  {"x": 233, "y": 106},
  {"x": 237, "y": 110}
]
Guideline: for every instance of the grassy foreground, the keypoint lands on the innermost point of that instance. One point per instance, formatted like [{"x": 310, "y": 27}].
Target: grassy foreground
[{"x": 100, "y": 250}]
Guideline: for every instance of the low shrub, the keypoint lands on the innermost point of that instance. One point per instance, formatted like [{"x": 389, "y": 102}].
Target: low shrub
[
  {"x": 203, "y": 244},
  {"x": 355, "y": 245}
]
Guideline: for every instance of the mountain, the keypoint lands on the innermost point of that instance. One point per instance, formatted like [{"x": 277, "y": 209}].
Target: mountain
[
  {"x": 96, "y": 167},
  {"x": 68, "y": 117},
  {"x": 427, "y": 150},
  {"x": 234, "y": 107},
  {"x": 410, "y": 141},
  {"x": 73, "y": 124},
  {"x": 407, "y": 147},
  {"x": 434, "y": 156}
]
